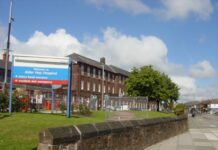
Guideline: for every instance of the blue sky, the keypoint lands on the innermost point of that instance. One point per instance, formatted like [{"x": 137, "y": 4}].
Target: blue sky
[{"x": 178, "y": 37}]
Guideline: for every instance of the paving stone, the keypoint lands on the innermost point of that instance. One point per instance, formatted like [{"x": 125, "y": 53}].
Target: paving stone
[
  {"x": 203, "y": 144},
  {"x": 204, "y": 148},
  {"x": 186, "y": 146}
]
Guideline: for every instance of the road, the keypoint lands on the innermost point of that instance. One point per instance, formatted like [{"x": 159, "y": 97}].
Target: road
[{"x": 202, "y": 135}]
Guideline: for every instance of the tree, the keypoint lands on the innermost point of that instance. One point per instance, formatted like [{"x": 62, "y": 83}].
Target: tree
[{"x": 157, "y": 86}]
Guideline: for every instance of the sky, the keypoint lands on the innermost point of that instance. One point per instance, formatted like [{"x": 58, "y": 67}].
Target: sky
[{"x": 177, "y": 37}]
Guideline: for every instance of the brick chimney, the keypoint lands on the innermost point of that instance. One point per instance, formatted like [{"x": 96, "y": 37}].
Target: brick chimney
[
  {"x": 4, "y": 56},
  {"x": 102, "y": 60}
]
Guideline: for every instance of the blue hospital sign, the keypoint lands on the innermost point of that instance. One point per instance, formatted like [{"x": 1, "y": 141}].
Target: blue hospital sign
[{"x": 40, "y": 70}]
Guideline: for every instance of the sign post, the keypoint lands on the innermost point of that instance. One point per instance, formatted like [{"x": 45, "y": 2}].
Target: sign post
[{"x": 32, "y": 69}]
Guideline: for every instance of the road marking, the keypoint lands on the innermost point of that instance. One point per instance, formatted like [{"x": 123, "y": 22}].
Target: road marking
[{"x": 211, "y": 136}]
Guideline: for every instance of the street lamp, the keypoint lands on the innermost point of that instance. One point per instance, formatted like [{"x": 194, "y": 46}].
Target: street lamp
[
  {"x": 8, "y": 46},
  {"x": 102, "y": 89}
]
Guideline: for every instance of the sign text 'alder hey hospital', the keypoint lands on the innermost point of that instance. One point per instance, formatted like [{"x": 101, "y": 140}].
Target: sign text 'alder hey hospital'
[{"x": 40, "y": 70}]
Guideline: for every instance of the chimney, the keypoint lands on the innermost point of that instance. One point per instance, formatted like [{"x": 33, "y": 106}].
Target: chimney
[
  {"x": 4, "y": 56},
  {"x": 102, "y": 60}
]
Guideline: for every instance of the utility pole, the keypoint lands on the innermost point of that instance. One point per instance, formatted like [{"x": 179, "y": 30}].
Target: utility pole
[{"x": 8, "y": 46}]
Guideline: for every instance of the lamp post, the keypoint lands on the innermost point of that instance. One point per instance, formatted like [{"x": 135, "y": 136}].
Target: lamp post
[
  {"x": 102, "y": 93},
  {"x": 8, "y": 46}
]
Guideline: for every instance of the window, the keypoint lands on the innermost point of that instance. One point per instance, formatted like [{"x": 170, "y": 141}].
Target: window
[
  {"x": 120, "y": 92},
  {"x": 93, "y": 72},
  {"x": 108, "y": 89},
  {"x": 88, "y": 71},
  {"x": 99, "y": 87},
  {"x": 99, "y": 73},
  {"x": 93, "y": 88},
  {"x": 112, "y": 77},
  {"x": 112, "y": 90},
  {"x": 108, "y": 76},
  {"x": 82, "y": 69},
  {"x": 88, "y": 86},
  {"x": 82, "y": 85},
  {"x": 119, "y": 79},
  {"x": 104, "y": 88}
]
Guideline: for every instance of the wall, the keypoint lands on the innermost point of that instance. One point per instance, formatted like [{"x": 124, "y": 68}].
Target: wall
[{"x": 125, "y": 135}]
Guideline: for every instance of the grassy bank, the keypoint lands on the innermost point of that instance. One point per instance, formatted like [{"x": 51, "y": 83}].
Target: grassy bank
[{"x": 20, "y": 131}]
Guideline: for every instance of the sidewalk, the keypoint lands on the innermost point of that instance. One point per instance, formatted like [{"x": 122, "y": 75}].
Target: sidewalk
[{"x": 199, "y": 137}]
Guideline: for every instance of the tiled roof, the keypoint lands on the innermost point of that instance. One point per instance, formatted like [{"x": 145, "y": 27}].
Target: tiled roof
[{"x": 80, "y": 58}]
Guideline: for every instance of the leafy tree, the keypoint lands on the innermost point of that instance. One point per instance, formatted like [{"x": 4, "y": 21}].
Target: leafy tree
[{"x": 157, "y": 86}]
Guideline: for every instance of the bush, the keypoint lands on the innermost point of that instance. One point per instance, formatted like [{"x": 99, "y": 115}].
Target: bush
[
  {"x": 179, "y": 109},
  {"x": 3, "y": 102},
  {"x": 62, "y": 107},
  {"x": 17, "y": 105},
  {"x": 84, "y": 110}
]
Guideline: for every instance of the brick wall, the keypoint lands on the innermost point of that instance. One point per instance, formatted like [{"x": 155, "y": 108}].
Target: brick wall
[{"x": 125, "y": 135}]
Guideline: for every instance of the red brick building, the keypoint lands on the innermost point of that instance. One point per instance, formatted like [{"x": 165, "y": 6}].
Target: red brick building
[{"x": 88, "y": 79}]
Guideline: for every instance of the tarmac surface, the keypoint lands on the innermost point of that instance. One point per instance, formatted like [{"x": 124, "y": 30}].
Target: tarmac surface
[{"x": 202, "y": 135}]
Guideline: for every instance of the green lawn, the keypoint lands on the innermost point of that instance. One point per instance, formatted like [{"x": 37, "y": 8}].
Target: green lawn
[
  {"x": 20, "y": 131},
  {"x": 151, "y": 114}
]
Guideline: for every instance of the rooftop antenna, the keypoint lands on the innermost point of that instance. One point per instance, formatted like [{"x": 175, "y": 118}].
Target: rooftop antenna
[{"x": 8, "y": 46}]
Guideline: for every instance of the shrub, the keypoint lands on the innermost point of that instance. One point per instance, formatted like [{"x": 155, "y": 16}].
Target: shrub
[
  {"x": 17, "y": 105},
  {"x": 84, "y": 110},
  {"x": 62, "y": 107},
  {"x": 3, "y": 102},
  {"x": 179, "y": 109}
]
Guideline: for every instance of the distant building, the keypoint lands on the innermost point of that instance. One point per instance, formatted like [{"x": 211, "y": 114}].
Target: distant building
[{"x": 88, "y": 81}]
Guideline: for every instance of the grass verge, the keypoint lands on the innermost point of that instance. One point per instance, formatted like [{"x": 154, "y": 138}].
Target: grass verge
[{"x": 20, "y": 131}]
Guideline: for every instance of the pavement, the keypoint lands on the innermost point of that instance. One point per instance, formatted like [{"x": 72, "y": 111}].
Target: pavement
[
  {"x": 202, "y": 135},
  {"x": 121, "y": 116}
]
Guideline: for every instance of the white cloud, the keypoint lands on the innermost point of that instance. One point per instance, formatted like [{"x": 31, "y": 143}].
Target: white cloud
[
  {"x": 187, "y": 86},
  {"x": 203, "y": 69},
  {"x": 170, "y": 9},
  {"x": 180, "y": 9},
  {"x": 55, "y": 44},
  {"x": 128, "y": 50},
  {"x": 119, "y": 49},
  {"x": 130, "y": 6}
]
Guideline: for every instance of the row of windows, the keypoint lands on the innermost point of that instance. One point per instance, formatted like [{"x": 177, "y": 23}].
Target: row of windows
[
  {"x": 96, "y": 87},
  {"x": 97, "y": 73}
]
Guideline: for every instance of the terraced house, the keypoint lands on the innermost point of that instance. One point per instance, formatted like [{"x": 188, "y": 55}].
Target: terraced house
[{"x": 96, "y": 78}]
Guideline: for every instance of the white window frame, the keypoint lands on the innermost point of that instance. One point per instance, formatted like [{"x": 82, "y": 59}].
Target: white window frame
[
  {"x": 112, "y": 90},
  {"x": 82, "y": 85},
  {"x": 99, "y": 88},
  {"x": 82, "y": 69},
  {"x": 93, "y": 72},
  {"x": 93, "y": 87},
  {"x": 88, "y": 86},
  {"x": 88, "y": 71}
]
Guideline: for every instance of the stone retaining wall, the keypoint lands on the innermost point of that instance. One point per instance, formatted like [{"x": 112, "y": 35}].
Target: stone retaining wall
[{"x": 119, "y": 135}]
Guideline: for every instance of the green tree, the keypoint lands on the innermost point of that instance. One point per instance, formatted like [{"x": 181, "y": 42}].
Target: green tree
[{"x": 157, "y": 86}]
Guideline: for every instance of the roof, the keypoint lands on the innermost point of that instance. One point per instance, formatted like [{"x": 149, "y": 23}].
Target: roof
[
  {"x": 2, "y": 65},
  {"x": 120, "y": 71},
  {"x": 111, "y": 68}
]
